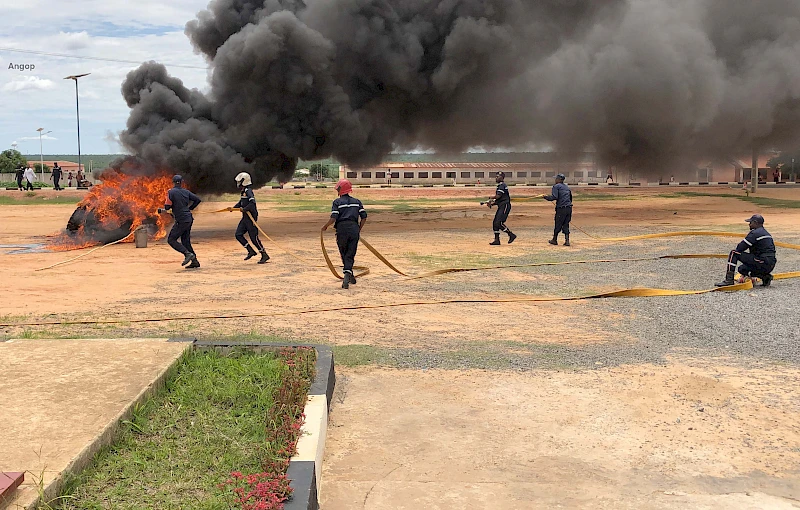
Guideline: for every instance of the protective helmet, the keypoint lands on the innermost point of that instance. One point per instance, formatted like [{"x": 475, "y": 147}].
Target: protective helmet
[
  {"x": 177, "y": 178},
  {"x": 561, "y": 176},
  {"x": 344, "y": 187},
  {"x": 243, "y": 179}
]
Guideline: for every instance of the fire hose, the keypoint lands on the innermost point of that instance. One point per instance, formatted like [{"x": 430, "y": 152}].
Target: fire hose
[{"x": 636, "y": 292}]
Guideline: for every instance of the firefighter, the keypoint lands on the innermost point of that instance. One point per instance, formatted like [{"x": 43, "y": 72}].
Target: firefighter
[
  {"x": 562, "y": 196},
  {"x": 502, "y": 200},
  {"x": 761, "y": 260},
  {"x": 348, "y": 217},
  {"x": 56, "y": 176},
  {"x": 19, "y": 175},
  {"x": 247, "y": 203},
  {"x": 182, "y": 201}
]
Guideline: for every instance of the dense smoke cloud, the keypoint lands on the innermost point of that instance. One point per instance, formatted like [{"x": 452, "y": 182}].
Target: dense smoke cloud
[{"x": 645, "y": 83}]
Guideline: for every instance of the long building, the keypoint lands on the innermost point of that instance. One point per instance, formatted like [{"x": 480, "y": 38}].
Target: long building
[{"x": 520, "y": 168}]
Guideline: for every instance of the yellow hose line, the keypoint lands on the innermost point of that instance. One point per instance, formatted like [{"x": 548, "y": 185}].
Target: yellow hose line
[
  {"x": 85, "y": 254},
  {"x": 639, "y": 292}
]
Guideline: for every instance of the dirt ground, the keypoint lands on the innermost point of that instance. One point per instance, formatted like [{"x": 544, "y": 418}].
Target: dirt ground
[{"x": 629, "y": 436}]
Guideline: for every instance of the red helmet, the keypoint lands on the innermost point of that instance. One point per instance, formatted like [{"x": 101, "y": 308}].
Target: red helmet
[{"x": 344, "y": 187}]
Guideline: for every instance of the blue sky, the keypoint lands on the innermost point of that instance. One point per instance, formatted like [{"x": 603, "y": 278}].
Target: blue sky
[{"x": 134, "y": 31}]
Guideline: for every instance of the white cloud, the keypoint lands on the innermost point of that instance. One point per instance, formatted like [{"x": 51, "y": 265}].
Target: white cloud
[
  {"x": 138, "y": 32},
  {"x": 20, "y": 83},
  {"x": 44, "y": 137}
]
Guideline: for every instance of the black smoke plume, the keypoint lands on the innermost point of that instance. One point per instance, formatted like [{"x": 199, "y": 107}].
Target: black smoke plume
[{"x": 645, "y": 83}]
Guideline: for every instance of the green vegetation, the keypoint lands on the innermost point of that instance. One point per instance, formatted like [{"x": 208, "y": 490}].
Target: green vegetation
[
  {"x": 179, "y": 446},
  {"x": 34, "y": 198},
  {"x": 10, "y": 160},
  {"x": 762, "y": 201}
]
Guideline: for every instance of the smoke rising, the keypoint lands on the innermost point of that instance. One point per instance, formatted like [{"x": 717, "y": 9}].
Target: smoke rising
[{"x": 645, "y": 83}]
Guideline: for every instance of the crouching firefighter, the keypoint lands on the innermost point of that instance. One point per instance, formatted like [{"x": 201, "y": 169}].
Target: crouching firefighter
[
  {"x": 247, "y": 204},
  {"x": 502, "y": 200},
  {"x": 182, "y": 202},
  {"x": 348, "y": 217},
  {"x": 761, "y": 260}
]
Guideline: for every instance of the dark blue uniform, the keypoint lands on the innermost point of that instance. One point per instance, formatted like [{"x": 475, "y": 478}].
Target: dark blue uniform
[
  {"x": 57, "y": 176},
  {"x": 181, "y": 202},
  {"x": 562, "y": 196},
  {"x": 247, "y": 203},
  {"x": 347, "y": 211},
  {"x": 503, "y": 204},
  {"x": 761, "y": 260}
]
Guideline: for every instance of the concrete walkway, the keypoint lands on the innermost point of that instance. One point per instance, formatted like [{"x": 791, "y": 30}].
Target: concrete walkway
[{"x": 61, "y": 399}]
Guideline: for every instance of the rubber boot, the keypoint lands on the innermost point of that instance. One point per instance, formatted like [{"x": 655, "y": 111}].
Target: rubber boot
[
  {"x": 766, "y": 280},
  {"x": 496, "y": 241},
  {"x": 352, "y": 279},
  {"x": 250, "y": 252},
  {"x": 195, "y": 264},
  {"x": 566, "y": 240},
  {"x": 511, "y": 236},
  {"x": 188, "y": 258},
  {"x": 553, "y": 241},
  {"x": 264, "y": 258},
  {"x": 727, "y": 281},
  {"x": 346, "y": 281}
]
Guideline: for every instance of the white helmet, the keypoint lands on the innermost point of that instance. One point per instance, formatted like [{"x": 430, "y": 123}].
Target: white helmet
[{"x": 243, "y": 179}]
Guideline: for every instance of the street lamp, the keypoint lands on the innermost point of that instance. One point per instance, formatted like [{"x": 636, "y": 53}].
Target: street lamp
[
  {"x": 78, "y": 111},
  {"x": 41, "y": 154}
]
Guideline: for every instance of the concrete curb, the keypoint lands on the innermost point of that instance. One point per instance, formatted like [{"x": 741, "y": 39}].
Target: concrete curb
[
  {"x": 305, "y": 468},
  {"x": 106, "y": 437}
]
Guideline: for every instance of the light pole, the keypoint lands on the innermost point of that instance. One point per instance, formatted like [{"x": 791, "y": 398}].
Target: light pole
[
  {"x": 41, "y": 153},
  {"x": 78, "y": 111}
]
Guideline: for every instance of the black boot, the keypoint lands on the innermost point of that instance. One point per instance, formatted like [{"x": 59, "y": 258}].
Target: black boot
[
  {"x": 496, "y": 241},
  {"x": 188, "y": 258},
  {"x": 250, "y": 253},
  {"x": 727, "y": 281},
  {"x": 194, "y": 265},
  {"x": 566, "y": 240},
  {"x": 264, "y": 258},
  {"x": 511, "y": 236},
  {"x": 352, "y": 279},
  {"x": 553, "y": 241},
  {"x": 346, "y": 281},
  {"x": 766, "y": 280}
]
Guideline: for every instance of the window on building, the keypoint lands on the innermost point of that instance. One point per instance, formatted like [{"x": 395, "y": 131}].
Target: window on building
[
  {"x": 522, "y": 174},
  {"x": 380, "y": 175},
  {"x": 366, "y": 175},
  {"x": 466, "y": 175},
  {"x": 422, "y": 175},
  {"x": 395, "y": 175},
  {"x": 479, "y": 175},
  {"x": 549, "y": 174},
  {"x": 352, "y": 175},
  {"x": 451, "y": 175},
  {"x": 492, "y": 174},
  {"x": 436, "y": 175},
  {"x": 579, "y": 175},
  {"x": 408, "y": 175},
  {"x": 536, "y": 174}
]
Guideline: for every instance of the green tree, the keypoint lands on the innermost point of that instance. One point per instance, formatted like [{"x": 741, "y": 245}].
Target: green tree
[
  {"x": 38, "y": 167},
  {"x": 11, "y": 159}
]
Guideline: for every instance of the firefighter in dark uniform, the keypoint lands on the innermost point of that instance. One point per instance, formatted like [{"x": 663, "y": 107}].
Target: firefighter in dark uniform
[
  {"x": 761, "y": 260},
  {"x": 348, "y": 217},
  {"x": 502, "y": 200},
  {"x": 56, "y": 176},
  {"x": 19, "y": 175},
  {"x": 182, "y": 201},
  {"x": 562, "y": 196},
  {"x": 247, "y": 203}
]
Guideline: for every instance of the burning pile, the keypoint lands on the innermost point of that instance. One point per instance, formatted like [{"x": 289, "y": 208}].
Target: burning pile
[{"x": 115, "y": 208}]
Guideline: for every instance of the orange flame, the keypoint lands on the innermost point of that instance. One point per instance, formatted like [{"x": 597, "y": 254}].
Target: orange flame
[{"x": 120, "y": 199}]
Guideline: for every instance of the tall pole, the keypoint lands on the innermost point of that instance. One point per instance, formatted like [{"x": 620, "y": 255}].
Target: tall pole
[
  {"x": 41, "y": 151},
  {"x": 754, "y": 172},
  {"x": 78, "y": 112}
]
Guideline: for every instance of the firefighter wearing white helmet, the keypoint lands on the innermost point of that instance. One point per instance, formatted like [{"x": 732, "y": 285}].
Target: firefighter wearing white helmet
[{"x": 247, "y": 204}]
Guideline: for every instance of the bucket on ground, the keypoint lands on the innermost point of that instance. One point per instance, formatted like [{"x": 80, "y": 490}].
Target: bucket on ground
[{"x": 140, "y": 237}]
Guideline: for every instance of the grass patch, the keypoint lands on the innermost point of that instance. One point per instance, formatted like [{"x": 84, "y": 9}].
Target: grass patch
[
  {"x": 761, "y": 201},
  {"x": 34, "y": 198},
  {"x": 179, "y": 446}
]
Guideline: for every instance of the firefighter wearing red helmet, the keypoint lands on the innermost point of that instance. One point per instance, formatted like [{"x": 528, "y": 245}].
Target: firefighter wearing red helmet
[{"x": 348, "y": 217}]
